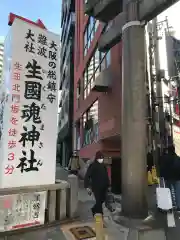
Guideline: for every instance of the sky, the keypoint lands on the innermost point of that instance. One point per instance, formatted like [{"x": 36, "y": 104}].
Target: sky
[
  {"x": 173, "y": 17},
  {"x": 173, "y": 14},
  {"x": 49, "y": 12},
  {"x": 46, "y": 10}
]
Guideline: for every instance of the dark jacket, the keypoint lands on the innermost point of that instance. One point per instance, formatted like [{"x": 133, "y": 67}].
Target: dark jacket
[
  {"x": 176, "y": 168},
  {"x": 150, "y": 162},
  {"x": 167, "y": 165},
  {"x": 96, "y": 177}
]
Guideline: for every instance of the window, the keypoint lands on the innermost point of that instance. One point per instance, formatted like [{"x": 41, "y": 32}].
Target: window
[
  {"x": 90, "y": 125},
  {"x": 98, "y": 62},
  {"x": 78, "y": 138},
  {"x": 108, "y": 59},
  {"x": 89, "y": 33},
  {"x": 77, "y": 54},
  {"x": 62, "y": 112},
  {"x": 59, "y": 124},
  {"x": 85, "y": 44},
  {"x": 66, "y": 105},
  {"x": 78, "y": 93}
]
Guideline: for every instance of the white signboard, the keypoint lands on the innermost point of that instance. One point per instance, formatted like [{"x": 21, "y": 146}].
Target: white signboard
[
  {"x": 22, "y": 210},
  {"x": 30, "y": 152}
]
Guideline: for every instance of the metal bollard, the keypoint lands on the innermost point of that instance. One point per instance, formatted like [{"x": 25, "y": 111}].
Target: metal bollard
[{"x": 99, "y": 227}]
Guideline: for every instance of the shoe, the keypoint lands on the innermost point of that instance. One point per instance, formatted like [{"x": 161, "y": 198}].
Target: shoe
[{"x": 149, "y": 218}]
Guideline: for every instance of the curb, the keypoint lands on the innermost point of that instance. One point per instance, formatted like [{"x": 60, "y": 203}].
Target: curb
[{"x": 36, "y": 228}]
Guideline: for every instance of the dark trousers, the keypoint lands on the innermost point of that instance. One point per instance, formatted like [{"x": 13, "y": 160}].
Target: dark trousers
[
  {"x": 174, "y": 186},
  {"x": 100, "y": 197},
  {"x": 75, "y": 172}
]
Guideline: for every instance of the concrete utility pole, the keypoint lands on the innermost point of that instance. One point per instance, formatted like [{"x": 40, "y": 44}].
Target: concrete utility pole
[
  {"x": 154, "y": 113},
  {"x": 134, "y": 174},
  {"x": 159, "y": 97}
]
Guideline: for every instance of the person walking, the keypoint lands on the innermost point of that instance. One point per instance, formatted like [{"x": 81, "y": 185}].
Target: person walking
[
  {"x": 169, "y": 170},
  {"x": 176, "y": 173},
  {"x": 166, "y": 164},
  {"x": 74, "y": 165},
  {"x": 97, "y": 182}
]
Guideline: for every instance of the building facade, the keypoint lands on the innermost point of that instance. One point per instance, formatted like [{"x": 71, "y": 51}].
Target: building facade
[
  {"x": 65, "y": 124},
  {"x": 172, "y": 87},
  {"x": 1, "y": 57},
  {"x": 97, "y": 91},
  {"x": 169, "y": 62}
]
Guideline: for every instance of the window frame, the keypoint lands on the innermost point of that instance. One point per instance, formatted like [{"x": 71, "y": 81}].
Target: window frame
[
  {"x": 102, "y": 58},
  {"x": 89, "y": 33},
  {"x": 87, "y": 116},
  {"x": 78, "y": 93}
]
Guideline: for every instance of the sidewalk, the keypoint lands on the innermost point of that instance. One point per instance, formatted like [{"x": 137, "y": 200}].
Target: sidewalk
[
  {"x": 116, "y": 231},
  {"x": 84, "y": 226},
  {"x": 57, "y": 232},
  {"x": 86, "y": 221}
]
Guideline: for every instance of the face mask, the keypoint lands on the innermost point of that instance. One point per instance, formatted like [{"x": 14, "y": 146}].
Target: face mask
[{"x": 100, "y": 160}]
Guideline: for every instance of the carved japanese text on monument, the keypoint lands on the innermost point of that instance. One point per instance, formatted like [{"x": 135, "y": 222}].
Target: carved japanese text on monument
[
  {"x": 32, "y": 125},
  {"x": 22, "y": 210}
]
